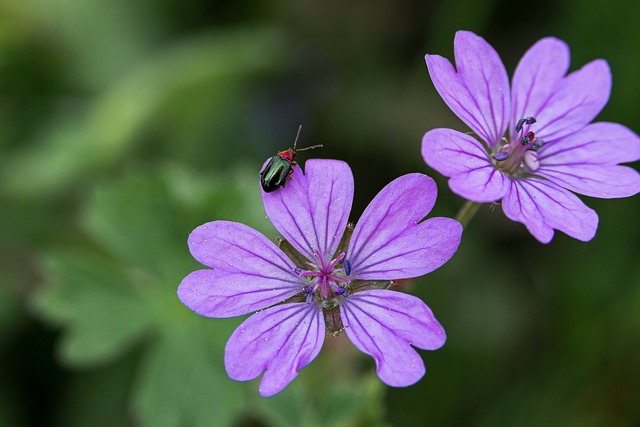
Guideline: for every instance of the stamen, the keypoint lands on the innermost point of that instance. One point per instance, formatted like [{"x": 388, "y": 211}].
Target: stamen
[
  {"x": 319, "y": 256},
  {"x": 308, "y": 292},
  {"x": 531, "y": 136},
  {"x": 504, "y": 153},
  {"x": 536, "y": 145},
  {"x": 512, "y": 158},
  {"x": 337, "y": 260},
  {"x": 528, "y": 120},
  {"x": 531, "y": 160},
  {"x": 338, "y": 278},
  {"x": 340, "y": 291},
  {"x": 327, "y": 281},
  {"x": 324, "y": 290},
  {"x": 501, "y": 156}
]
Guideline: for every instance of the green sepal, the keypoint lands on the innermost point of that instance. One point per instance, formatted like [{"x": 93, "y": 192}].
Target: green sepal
[
  {"x": 333, "y": 321},
  {"x": 298, "y": 259},
  {"x": 344, "y": 241},
  {"x": 367, "y": 285}
]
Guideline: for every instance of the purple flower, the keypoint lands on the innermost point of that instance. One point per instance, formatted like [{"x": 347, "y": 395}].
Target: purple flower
[
  {"x": 535, "y": 142},
  {"x": 327, "y": 281}
]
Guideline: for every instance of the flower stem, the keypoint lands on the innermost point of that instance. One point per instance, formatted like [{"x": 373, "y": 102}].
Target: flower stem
[{"x": 466, "y": 212}]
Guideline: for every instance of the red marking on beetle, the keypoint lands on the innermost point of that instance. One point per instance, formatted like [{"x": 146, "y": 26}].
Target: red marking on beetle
[{"x": 289, "y": 154}]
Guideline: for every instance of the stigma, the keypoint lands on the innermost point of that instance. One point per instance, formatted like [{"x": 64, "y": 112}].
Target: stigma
[{"x": 326, "y": 280}]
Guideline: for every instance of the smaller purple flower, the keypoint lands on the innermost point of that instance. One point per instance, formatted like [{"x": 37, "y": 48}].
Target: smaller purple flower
[
  {"x": 535, "y": 141},
  {"x": 323, "y": 278}
]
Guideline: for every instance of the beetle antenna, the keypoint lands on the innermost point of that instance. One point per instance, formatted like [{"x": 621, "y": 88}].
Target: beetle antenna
[
  {"x": 311, "y": 148},
  {"x": 297, "y": 136},
  {"x": 305, "y": 148}
]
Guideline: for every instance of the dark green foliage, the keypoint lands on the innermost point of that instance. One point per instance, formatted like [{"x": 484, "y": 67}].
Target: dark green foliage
[{"x": 124, "y": 125}]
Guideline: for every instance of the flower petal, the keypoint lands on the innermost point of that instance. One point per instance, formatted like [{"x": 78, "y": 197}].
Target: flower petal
[
  {"x": 279, "y": 341},
  {"x": 248, "y": 271},
  {"x": 385, "y": 324},
  {"x": 312, "y": 211},
  {"x": 543, "y": 206},
  {"x": 222, "y": 293},
  {"x": 587, "y": 161},
  {"x": 465, "y": 160},
  {"x": 605, "y": 182},
  {"x": 389, "y": 241},
  {"x": 538, "y": 73},
  {"x": 574, "y": 102},
  {"x": 601, "y": 143},
  {"x": 478, "y": 93}
]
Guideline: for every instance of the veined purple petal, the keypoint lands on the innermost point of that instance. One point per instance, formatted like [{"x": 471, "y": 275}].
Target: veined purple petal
[
  {"x": 587, "y": 161},
  {"x": 543, "y": 206},
  {"x": 538, "y": 73},
  {"x": 312, "y": 211},
  {"x": 248, "y": 271},
  {"x": 478, "y": 93},
  {"x": 280, "y": 341},
  {"x": 223, "y": 293},
  {"x": 464, "y": 159},
  {"x": 601, "y": 143},
  {"x": 385, "y": 324},
  {"x": 574, "y": 102},
  {"x": 605, "y": 182},
  {"x": 390, "y": 242},
  {"x": 221, "y": 244}
]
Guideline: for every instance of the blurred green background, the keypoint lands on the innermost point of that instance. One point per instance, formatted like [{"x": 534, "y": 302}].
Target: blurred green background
[{"x": 125, "y": 124}]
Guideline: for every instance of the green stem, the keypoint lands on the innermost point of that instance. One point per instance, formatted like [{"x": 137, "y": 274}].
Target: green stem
[{"x": 466, "y": 212}]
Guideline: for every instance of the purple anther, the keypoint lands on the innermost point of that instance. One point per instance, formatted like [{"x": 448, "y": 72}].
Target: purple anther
[
  {"x": 307, "y": 291},
  {"x": 531, "y": 136},
  {"x": 347, "y": 267},
  {"x": 340, "y": 291},
  {"x": 501, "y": 156},
  {"x": 536, "y": 145}
]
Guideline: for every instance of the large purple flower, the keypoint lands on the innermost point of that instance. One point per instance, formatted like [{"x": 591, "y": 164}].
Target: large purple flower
[
  {"x": 535, "y": 142},
  {"x": 325, "y": 280}
]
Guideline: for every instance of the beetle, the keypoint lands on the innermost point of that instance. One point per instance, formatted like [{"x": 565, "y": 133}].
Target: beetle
[{"x": 280, "y": 167}]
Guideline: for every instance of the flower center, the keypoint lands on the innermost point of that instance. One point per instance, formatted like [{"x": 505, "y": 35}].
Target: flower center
[
  {"x": 518, "y": 157},
  {"x": 326, "y": 280}
]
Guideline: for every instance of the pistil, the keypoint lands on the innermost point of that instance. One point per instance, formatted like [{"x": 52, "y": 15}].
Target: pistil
[
  {"x": 515, "y": 156},
  {"x": 326, "y": 280}
]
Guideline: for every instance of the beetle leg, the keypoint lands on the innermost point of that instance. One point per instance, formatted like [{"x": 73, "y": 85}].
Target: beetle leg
[{"x": 291, "y": 170}]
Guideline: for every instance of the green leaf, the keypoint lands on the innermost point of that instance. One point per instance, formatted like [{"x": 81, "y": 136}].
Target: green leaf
[
  {"x": 135, "y": 222},
  {"x": 290, "y": 408},
  {"x": 103, "y": 315},
  {"x": 183, "y": 382},
  {"x": 343, "y": 401},
  {"x": 108, "y": 303},
  {"x": 98, "y": 133},
  {"x": 232, "y": 195}
]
